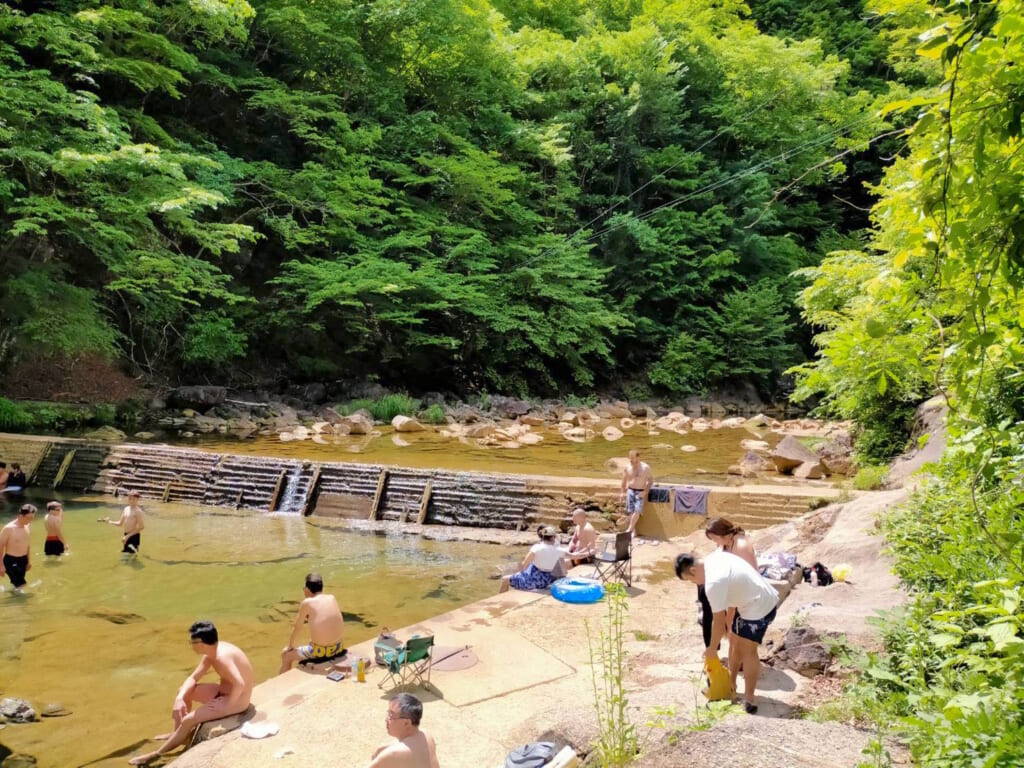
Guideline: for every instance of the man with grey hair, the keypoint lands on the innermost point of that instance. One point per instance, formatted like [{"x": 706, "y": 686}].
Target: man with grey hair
[{"x": 412, "y": 748}]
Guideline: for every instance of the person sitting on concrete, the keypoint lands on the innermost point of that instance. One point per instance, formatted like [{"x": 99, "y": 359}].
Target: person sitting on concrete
[
  {"x": 55, "y": 544},
  {"x": 731, "y": 582},
  {"x": 326, "y": 624},
  {"x": 412, "y": 748},
  {"x": 541, "y": 566},
  {"x": 583, "y": 544},
  {"x": 230, "y": 696}
]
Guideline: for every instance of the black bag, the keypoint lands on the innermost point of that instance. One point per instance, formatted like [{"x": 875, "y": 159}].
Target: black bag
[
  {"x": 531, "y": 755},
  {"x": 824, "y": 574}
]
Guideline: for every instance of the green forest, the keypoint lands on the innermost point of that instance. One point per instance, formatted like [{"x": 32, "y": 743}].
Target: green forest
[{"x": 522, "y": 196}]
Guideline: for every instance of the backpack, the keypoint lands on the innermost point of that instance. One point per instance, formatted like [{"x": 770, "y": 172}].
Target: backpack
[
  {"x": 533, "y": 755},
  {"x": 824, "y": 574}
]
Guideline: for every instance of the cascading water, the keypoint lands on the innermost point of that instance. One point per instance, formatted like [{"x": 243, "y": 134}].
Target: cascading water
[{"x": 294, "y": 493}]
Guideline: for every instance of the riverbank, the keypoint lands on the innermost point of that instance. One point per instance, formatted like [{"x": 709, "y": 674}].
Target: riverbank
[{"x": 532, "y": 678}]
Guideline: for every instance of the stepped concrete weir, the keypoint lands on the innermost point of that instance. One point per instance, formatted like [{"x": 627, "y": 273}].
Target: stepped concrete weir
[{"x": 370, "y": 491}]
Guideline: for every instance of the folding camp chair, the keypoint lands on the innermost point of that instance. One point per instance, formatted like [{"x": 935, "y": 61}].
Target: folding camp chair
[
  {"x": 407, "y": 664},
  {"x": 617, "y": 565}
]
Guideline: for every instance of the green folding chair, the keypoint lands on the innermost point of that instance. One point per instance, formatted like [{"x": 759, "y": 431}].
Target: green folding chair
[{"x": 408, "y": 664}]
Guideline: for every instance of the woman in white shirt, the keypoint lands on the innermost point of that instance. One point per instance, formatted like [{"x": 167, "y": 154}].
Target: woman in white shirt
[{"x": 539, "y": 565}]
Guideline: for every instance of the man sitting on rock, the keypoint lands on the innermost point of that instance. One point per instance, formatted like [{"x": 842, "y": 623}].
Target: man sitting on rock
[
  {"x": 228, "y": 697},
  {"x": 731, "y": 582},
  {"x": 325, "y": 626},
  {"x": 583, "y": 544},
  {"x": 412, "y": 748}
]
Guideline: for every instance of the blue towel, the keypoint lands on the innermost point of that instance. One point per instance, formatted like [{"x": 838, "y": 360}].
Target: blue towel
[
  {"x": 658, "y": 496},
  {"x": 691, "y": 500}
]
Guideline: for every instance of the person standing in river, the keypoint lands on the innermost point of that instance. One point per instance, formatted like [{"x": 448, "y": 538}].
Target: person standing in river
[
  {"x": 636, "y": 482},
  {"x": 132, "y": 522},
  {"x": 15, "y": 547},
  {"x": 55, "y": 544}
]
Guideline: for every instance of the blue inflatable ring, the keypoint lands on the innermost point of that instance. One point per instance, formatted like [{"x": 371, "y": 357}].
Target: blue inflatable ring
[{"x": 577, "y": 590}]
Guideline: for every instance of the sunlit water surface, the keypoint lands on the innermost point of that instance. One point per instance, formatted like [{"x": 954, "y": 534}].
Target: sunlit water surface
[{"x": 107, "y": 637}]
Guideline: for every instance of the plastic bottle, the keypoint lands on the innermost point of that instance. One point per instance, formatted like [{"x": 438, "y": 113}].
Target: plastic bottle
[
  {"x": 361, "y": 671},
  {"x": 814, "y": 577}
]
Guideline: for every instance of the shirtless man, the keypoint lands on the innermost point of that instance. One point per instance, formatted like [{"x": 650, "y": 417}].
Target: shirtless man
[
  {"x": 54, "y": 521},
  {"x": 14, "y": 546},
  {"x": 228, "y": 697},
  {"x": 413, "y": 748},
  {"x": 583, "y": 543},
  {"x": 133, "y": 524},
  {"x": 325, "y": 626},
  {"x": 636, "y": 482},
  {"x": 4, "y": 474}
]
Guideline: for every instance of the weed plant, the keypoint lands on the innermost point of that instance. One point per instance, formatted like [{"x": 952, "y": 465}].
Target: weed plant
[
  {"x": 617, "y": 741},
  {"x": 433, "y": 415}
]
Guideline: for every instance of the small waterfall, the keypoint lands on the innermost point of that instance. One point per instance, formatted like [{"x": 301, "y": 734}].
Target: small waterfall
[{"x": 294, "y": 493}]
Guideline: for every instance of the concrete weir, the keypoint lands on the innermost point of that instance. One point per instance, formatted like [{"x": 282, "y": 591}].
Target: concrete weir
[{"x": 366, "y": 491}]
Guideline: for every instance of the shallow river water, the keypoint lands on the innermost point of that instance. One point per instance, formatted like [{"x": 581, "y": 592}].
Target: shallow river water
[{"x": 107, "y": 637}]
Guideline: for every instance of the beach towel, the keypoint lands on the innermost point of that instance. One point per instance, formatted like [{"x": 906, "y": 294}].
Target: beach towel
[
  {"x": 691, "y": 500},
  {"x": 658, "y": 495}
]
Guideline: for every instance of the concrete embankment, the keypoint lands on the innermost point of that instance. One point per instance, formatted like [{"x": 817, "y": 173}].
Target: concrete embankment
[{"x": 533, "y": 674}]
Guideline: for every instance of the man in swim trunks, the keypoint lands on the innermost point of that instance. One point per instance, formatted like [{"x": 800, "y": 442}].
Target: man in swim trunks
[
  {"x": 636, "y": 482},
  {"x": 583, "y": 543},
  {"x": 412, "y": 748},
  {"x": 131, "y": 520},
  {"x": 14, "y": 546},
  {"x": 54, "y": 521},
  {"x": 325, "y": 626},
  {"x": 217, "y": 700}
]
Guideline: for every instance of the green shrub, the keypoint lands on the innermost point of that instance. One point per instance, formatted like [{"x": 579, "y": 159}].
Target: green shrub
[
  {"x": 870, "y": 477},
  {"x": 577, "y": 402},
  {"x": 363, "y": 404},
  {"x": 13, "y": 417},
  {"x": 433, "y": 415}
]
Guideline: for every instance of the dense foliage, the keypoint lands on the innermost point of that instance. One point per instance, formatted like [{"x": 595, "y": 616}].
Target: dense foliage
[
  {"x": 934, "y": 306},
  {"x": 520, "y": 195}
]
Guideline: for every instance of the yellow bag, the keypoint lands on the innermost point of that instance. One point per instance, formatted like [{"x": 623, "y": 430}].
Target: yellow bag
[
  {"x": 842, "y": 572},
  {"x": 719, "y": 682}
]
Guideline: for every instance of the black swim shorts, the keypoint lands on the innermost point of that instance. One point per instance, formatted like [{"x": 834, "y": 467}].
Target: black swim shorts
[
  {"x": 132, "y": 543},
  {"x": 53, "y": 547},
  {"x": 16, "y": 568},
  {"x": 752, "y": 629}
]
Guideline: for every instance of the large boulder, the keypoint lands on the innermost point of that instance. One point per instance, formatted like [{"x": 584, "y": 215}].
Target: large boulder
[
  {"x": 790, "y": 453},
  {"x": 611, "y": 433},
  {"x": 406, "y": 424},
  {"x": 802, "y": 650},
  {"x": 809, "y": 470},
  {"x": 107, "y": 435},
  {"x": 16, "y": 711},
  {"x": 837, "y": 454},
  {"x": 202, "y": 396},
  {"x": 483, "y": 429},
  {"x": 618, "y": 410},
  {"x": 532, "y": 420},
  {"x": 509, "y": 407},
  {"x": 359, "y": 424}
]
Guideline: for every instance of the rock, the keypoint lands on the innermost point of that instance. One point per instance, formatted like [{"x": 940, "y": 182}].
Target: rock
[
  {"x": 301, "y": 433},
  {"x": 406, "y": 424},
  {"x": 188, "y": 413},
  {"x": 532, "y": 420},
  {"x": 700, "y": 425},
  {"x": 207, "y": 424},
  {"x": 466, "y": 414},
  {"x": 810, "y": 470},
  {"x": 661, "y": 447},
  {"x": 144, "y": 435},
  {"x": 242, "y": 428},
  {"x": 837, "y": 454},
  {"x": 359, "y": 424},
  {"x": 331, "y": 416},
  {"x": 400, "y": 442},
  {"x": 755, "y": 462},
  {"x": 188, "y": 434},
  {"x": 790, "y": 453},
  {"x": 733, "y": 423},
  {"x": 740, "y": 470},
  {"x": 617, "y": 465},
  {"x": 114, "y": 616},
  {"x": 197, "y": 397},
  {"x": 803, "y": 651},
  {"x": 509, "y": 407},
  {"x": 285, "y": 437},
  {"x": 638, "y": 409},
  {"x": 482, "y": 429},
  {"x": 343, "y": 428},
  {"x": 531, "y": 438},
  {"x": 17, "y": 711},
  {"x": 569, "y": 417},
  {"x": 578, "y": 434},
  {"x": 54, "y": 710},
  {"x": 615, "y": 411},
  {"x": 627, "y": 423},
  {"x": 106, "y": 434},
  {"x": 314, "y": 393},
  {"x": 688, "y": 448},
  {"x": 611, "y": 433},
  {"x": 587, "y": 418},
  {"x": 19, "y": 761},
  {"x": 716, "y": 410},
  {"x": 757, "y": 421},
  {"x": 754, "y": 445},
  {"x": 322, "y": 427}
]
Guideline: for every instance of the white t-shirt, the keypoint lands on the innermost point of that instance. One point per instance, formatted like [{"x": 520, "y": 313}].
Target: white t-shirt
[
  {"x": 546, "y": 556},
  {"x": 731, "y": 582}
]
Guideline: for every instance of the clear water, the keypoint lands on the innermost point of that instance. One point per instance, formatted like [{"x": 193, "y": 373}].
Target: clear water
[{"x": 62, "y": 642}]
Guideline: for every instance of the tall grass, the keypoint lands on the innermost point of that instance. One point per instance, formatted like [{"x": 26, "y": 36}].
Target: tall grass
[
  {"x": 384, "y": 409},
  {"x": 12, "y": 416}
]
